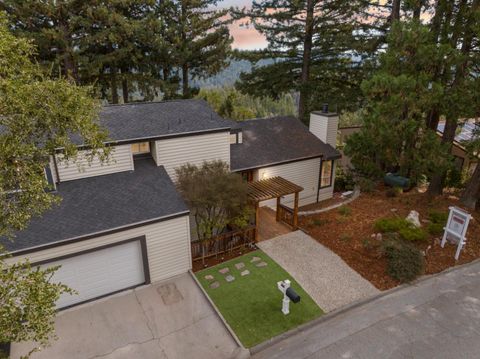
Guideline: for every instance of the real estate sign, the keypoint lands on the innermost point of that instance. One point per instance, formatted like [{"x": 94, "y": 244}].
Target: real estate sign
[{"x": 456, "y": 228}]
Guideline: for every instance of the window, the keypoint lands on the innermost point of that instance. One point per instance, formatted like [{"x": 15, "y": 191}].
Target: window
[
  {"x": 140, "y": 148},
  {"x": 247, "y": 176},
  {"x": 326, "y": 172}
]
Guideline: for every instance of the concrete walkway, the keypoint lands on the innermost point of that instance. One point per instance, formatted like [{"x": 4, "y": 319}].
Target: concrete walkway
[
  {"x": 324, "y": 275},
  {"x": 170, "y": 320},
  {"x": 438, "y": 317}
]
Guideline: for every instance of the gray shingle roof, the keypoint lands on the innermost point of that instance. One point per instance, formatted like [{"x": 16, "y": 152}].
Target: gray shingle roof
[
  {"x": 157, "y": 119},
  {"x": 97, "y": 204},
  {"x": 276, "y": 140}
]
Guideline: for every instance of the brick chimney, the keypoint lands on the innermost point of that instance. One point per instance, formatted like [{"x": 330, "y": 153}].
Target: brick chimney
[{"x": 324, "y": 125}]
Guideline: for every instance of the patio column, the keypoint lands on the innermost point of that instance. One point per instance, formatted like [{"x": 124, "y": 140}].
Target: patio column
[
  {"x": 256, "y": 220},
  {"x": 295, "y": 212},
  {"x": 278, "y": 210}
]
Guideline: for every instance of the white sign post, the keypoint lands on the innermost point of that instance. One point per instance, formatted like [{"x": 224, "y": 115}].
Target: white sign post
[
  {"x": 283, "y": 286},
  {"x": 457, "y": 225}
]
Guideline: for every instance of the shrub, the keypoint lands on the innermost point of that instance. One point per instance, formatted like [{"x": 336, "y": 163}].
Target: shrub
[
  {"x": 345, "y": 211},
  {"x": 435, "y": 228},
  {"x": 404, "y": 261},
  {"x": 389, "y": 225},
  {"x": 438, "y": 217},
  {"x": 413, "y": 234},
  {"x": 403, "y": 227},
  {"x": 343, "y": 180},
  {"x": 394, "y": 191},
  {"x": 366, "y": 184}
]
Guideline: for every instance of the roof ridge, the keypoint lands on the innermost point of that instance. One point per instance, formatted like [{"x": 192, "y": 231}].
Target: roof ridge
[{"x": 151, "y": 102}]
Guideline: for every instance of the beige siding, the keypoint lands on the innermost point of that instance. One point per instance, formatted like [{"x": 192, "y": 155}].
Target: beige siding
[
  {"x": 174, "y": 152},
  {"x": 168, "y": 247},
  {"x": 303, "y": 173},
  {"x": 120, "y": 160}
]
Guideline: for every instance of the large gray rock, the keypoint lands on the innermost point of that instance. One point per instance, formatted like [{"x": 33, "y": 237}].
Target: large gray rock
[
  {"x": 229, "y": 278},
  {"x": 414, "y": 218},
  {"x": 224, "y": 270}
]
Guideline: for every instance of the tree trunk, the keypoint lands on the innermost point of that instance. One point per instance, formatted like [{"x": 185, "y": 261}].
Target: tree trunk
[
  {"x": 113, "y": 84},
  {"x": 438, "y": 180},
  {"x": 395, "y": 15},
  {"x": 124, "y": 86},
  {"x": 417, "y": 10},
  {"x": 185, "y": 85},
  {"x": 470, "y": 194},
  {"x": 307, "y": 53},
  {"x": 432, "y": 119}
]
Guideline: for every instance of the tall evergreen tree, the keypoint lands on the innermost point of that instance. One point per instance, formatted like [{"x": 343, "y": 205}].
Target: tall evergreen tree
[
  {"x": 317, "y": 47},
  {"x": 199, "y": 38}
]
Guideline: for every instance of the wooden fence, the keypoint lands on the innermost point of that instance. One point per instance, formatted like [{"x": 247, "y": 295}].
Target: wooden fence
[
  {"x": 224, "y": 243},
  {"x": 285, "y": 214}
]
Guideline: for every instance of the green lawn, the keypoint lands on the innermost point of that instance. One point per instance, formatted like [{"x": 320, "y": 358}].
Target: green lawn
[{"x": 252, "y": 304}]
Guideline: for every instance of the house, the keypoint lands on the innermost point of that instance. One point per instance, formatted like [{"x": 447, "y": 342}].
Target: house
[{"x": 122, "y": 223}]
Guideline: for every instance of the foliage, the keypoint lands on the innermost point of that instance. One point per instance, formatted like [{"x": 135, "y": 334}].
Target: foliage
[
  {"x": 344, "y": 210},
  {"x": 400, "y": 93},
  {"x": 320, "y": 221},
  {"x": 317, "y": 51},
  {"x": 37, "y": 115},
  {"x": 404, "y": 261},
  {"x": 344, "y": 180},
  {"x": 366, "y": 185},
  {"x": 145, "y": 48},
  {"x": 216, "y": 197},
  {"x": 231, "y": 103},
  {"x": 454, "y": 178},
  {"x": 27, "y": 303},
  {"x": 404, "y": 228},
  {"x": 438, "y": 220},
  {"x": 351, "y": 118},
  {"x": 394, "y": 191}
]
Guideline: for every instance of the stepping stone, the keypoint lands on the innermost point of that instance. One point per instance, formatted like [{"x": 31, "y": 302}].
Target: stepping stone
[
  {"x": 240, "y": 265},
  {"x": 255, "y": 259},
  {"x": 209, "y": 277},
  {"x": 229, "y": 278},
  {"x": 214, "y": 285},
  {"x": 245, "y": 272},
  {"x": 261, "y": 264},
  {"x": 224, "y": 270}
]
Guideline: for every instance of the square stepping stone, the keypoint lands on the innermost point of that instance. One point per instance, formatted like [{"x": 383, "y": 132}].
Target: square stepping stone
[
  {"x": 245, "y": 272},
  {"x": 240, "y": 265},
  {"x": 261, "y": 264},
  {"x": 209, "y": 277},
  {"x": 214, "y": 285},
  {"x": 229, "y": 278},
  {"x": 255, "y": 259},
  {"x": 224, "y": 270}
]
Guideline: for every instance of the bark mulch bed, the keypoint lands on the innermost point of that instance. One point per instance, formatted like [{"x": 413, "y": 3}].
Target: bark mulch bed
[
  {"x": 213, "y": 261},
  {"x": 350, "y": 235},
  {"x": 337, "y": 198}
]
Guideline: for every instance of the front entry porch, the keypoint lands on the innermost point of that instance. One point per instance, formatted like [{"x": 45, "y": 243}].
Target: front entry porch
[{"x": 267, "y": 221}]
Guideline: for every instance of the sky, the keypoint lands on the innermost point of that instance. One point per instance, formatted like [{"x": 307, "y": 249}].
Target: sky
[{"x": 244, "y": 37}]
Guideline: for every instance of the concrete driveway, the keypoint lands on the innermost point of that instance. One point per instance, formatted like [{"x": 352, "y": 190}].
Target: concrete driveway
[
  {"x": 168, "y": 320},
  {"x": 330, "y": 282}
]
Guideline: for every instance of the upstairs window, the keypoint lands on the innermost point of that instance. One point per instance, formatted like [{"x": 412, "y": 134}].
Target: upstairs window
[
  {"x": 140, "y": 148},
  {"x": 326, "y": 173}
]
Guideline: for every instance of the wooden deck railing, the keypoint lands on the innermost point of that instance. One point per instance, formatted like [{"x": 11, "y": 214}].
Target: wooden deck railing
[
  {"x": 224, "y": 243},
  {"x": 285, "y": 214}
]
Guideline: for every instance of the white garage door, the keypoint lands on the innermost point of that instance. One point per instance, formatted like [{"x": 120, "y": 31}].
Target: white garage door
[{"x": 95, "y": 274}]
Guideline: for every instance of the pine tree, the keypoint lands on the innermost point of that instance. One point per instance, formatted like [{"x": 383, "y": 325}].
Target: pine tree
[
  {"x": 199, "y": 38},
  {"x": 317, "y": 47}
]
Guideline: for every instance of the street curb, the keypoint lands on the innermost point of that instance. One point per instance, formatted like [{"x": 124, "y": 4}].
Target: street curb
[
  {"x": 324, "y": 318},
  {"x": 243, "y": 350}
]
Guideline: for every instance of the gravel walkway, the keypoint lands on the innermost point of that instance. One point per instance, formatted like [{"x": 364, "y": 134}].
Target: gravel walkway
[{"x": 324, "y": 275}]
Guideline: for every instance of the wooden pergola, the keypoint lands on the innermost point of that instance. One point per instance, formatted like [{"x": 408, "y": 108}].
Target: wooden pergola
[{"x": 274, "y": 187}]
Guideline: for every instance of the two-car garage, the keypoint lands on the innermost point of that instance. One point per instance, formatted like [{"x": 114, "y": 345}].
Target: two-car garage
[{"x": 101, "y": 271}]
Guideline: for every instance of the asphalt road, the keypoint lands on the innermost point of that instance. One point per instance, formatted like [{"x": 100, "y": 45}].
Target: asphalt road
[{"x": 438, "y": 317}]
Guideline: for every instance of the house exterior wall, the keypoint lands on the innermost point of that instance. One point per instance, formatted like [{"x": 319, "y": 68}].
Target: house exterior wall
[
  {"x": 303, "y": 173},
  {"x": 120, "y": 160},
  {"x": 168, "y": 247},
  {"x": 175, "y": 152}
]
